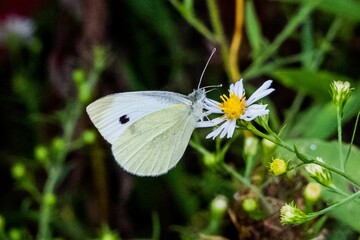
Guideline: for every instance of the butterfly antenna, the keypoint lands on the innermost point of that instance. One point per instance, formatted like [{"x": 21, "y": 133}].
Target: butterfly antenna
[
  {"x": 213, "y": 87},
  {"x": 207, "y": 63}
]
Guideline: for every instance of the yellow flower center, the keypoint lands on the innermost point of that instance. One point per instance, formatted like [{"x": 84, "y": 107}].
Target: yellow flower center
[{"x": 232, "y": 106}]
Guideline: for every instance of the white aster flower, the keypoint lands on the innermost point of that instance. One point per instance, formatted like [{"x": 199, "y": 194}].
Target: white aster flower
[
  {"x": 235, "y": 107},
  {"x": 18, "y": 27}
]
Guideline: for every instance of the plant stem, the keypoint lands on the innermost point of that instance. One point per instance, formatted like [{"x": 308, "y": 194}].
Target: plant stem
[
  {"x": 47, "y": 209},
  {"x": 192, "y": 20},
  {"x": 303, "y": 157},
  {"x": 353, "y": 137},
  {"x": 343, "y": 201},
  {"x": 324, "y": 46},
  {"x": 219, "y": 34},
  {"x": 249, "y": 166},
  {"x": 338, "y": 116},
  {"x": 302, "y": 15},
  {"x": 236, "y": 41},
  {"x": 57, "y": 169}
]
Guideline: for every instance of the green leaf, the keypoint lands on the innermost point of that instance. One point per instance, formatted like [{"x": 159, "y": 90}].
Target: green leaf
[
  {"x": 320, "y": 121},
  {"x": 253, "y": 28},
  {"x": 307, "y": 44},
  {"x": 348, "y": 213},
  {"x": 312, "y": 83},
  {"x": 344, "y": 8}
]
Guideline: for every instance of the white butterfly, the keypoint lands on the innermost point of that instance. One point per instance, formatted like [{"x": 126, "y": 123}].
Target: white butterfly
[{"x": 149, "y": 130}]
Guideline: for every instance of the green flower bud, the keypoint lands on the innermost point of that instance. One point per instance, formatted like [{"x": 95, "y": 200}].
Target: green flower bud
[
  {"x": 219, "y": 206},
  {"x": 18, "y": 170},
  {"x": 109, "y": 236},
  {"x": 100, "y": 57},
  {"x": 84, "y": 93},
  {"x": 340, "y": 93},
  {"x": 251, "y": 146},
  {"x": 2, "y": 223},
  {"x": 250, "y": 205},
  {"x": 88, "y": 136},
  {"x": 268, "y": 146},
  {"x": 41, "y": 153},
  {"x": 210, "y": 159},
  {"x": 49, "y": 199},
  {"x": 319, "y": 174},
  {"x": 15, "y": 234},
  {"x": 58, "y": 144},
  {"x": 78, "y": 76},
  {"x": 290, "y": 214},
  {"x": 312, "y": 192}
]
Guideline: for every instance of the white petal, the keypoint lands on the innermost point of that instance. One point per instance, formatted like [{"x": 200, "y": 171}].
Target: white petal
[
  {"x": 216, "y": 132},
  {"x": 254, "y": 111},
  {"x": 231, "y": 129},
  {"x": 261, "y": 92},
  {"x": 238, "y": 88},
  {"x": 224, "y": 129},
  {"x": 210, "y": 123},
  {"x": 212, "y": 106}
]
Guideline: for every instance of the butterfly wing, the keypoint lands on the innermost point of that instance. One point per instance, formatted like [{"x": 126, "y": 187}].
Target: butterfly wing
[
  {"x": 114, "y": 113},
  {"x": 154, "y": 144}
]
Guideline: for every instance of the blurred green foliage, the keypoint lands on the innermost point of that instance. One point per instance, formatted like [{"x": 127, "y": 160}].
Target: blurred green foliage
[{"x": 58, "y": 178}]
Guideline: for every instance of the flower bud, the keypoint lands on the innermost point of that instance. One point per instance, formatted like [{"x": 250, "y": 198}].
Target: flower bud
[
  {"x": 290, "y": 214},
  {"x": 58, "y": 144},
  {"x": 268, "y": 146},
  {"x": 210, "y": 159},
  {"x": 219, "y": 206},
  {"x": 41, "y": 153},
  {"x": 2, "y": 223},
  {"x": 312, "y": 192},
  {"x": 340, "y": 93},
  {"x": 319, "y": 174},
  {"x": 100, "y": 58},
  {"x": 278, "y": 166},
  {"x": 49, "y": 199},
  {"x": 250, "y": 205},
  {"x": 15, "y": 234},
  {"x": 108, "y": 236},
  {"x": 18, "y": 170},
  {"x": 250, "y": 146},
  {"x": 78, "y": 76},
  {"x": 88, "y": 136}
]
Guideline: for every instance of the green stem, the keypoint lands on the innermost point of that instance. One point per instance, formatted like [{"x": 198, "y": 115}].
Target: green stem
[
  {"x": 303, "y": 157},
  {"x": 291, "y": 115},
  {"x": 56, "y": 171},
  {"x": 353, "y": 137},
  {"x": 325, "y": 44},
  {"x": 338, "y": 116},
  {"x": 302, "y": 15},
  {"x": 219, "y": 34},
  {"x": 249, "y": 166},
  {"x": 328, "y": 209},
  {"x": 47, "y": 209},
  {"x": 192, "y": 20}
]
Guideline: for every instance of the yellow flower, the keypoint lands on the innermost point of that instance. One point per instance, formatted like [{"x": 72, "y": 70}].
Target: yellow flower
[{"x": 278, "y": 166}]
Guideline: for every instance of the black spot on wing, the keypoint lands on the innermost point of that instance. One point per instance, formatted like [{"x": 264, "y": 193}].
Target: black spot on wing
[{"x": 124, "y": 119}]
